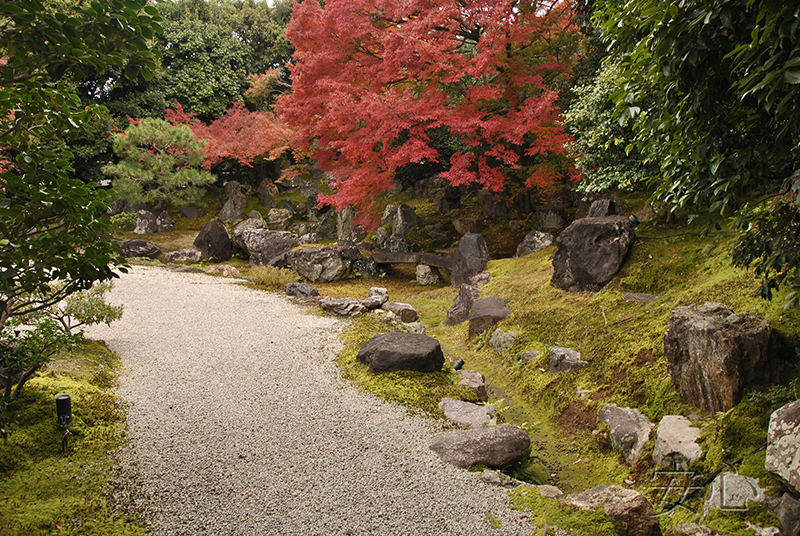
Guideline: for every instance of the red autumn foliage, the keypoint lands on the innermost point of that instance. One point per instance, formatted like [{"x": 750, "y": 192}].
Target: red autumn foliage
[
  {"x": 239, "y": 135},
  {"x": 375, "y": 80}
]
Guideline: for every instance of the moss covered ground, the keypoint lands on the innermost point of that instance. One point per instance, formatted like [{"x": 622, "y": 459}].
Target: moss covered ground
[
  {"x": 623, "y": 343},
  {"x": 43, "y": 491}
]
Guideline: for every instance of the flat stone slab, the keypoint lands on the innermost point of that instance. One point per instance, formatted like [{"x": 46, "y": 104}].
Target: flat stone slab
[
  {"x": 468, "y": 414},
  {"x": 493, "y": 446},
  {"x": 675, "y": 443}
]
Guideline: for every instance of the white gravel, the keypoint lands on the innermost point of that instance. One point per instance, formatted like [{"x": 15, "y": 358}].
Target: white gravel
[{"x": 241, "y": 424}]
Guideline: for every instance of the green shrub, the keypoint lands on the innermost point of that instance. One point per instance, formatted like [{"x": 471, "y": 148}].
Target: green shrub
[
  {"x": 272, "y": 277},
  {"x": 123, "y": 223}
]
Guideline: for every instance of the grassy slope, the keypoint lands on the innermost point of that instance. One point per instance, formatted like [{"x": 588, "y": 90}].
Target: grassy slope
[{"x": 624, "y": 345}]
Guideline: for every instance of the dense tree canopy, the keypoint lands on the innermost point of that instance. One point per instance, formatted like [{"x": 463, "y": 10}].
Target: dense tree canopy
[
  {"x": 374, "y": 81},
  {"x": 51, "y": 225},
  {"x": 715, "y": 88}
]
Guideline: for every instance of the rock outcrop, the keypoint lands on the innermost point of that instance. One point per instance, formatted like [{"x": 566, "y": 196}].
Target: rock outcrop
[
  {"x": 132, "y": 249},
  {"x": 676, "y": 448},
  {"x": 470, "y": 258},
  {"x": 462, "y": 305},
  {"x": 714, "y": 354},
  {"x": 323, "y": 264},
  {"x": 485, "y": 313},
  {"x": 590, "y": 252}
]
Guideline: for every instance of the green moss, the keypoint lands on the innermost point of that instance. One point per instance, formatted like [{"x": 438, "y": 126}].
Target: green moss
[
  {"x": 45, "y": 492},
  {"x": 422, "y": 390},
  {"x": 552, "y": 513}
]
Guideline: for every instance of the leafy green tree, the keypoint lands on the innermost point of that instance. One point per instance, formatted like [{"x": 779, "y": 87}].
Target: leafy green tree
[
  {"x": 51, "y": 225},
  {"x": 714, "y": 86},
  {"x": 159, "y": 162},
  {"x": 602, "y": 143}
]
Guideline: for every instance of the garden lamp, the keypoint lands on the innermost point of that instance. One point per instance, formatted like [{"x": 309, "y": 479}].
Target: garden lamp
[{"x": 64, "y": 411}]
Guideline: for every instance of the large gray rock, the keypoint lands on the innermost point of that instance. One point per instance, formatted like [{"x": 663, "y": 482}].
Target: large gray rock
[
  {"x": 230, "y": 212},
  {"x": 493, "y": 446},
  {"x": 627, "y": 507},
  {"x": 475, "y": 381},
  {"x": 467, "y": 414},
  {"x": 265, "y": 246},
  {"x": 323, "y": 264},
  {"x": 462, "y": 305},
  {"x": 164, "y": 223},
  {"x": 783, "y": 449},
  {"x": 134, "y": 249},
  {"x": 676, "y": 448},
  {"x": 184, "y": 256},
  {"x": 485, "y": 313},
  {"x": 565, "y": 360},
  {"x": 146, "y": 222},
  {"x": 713, "y": 355},
  {"x": 470, "y": 258},
  {"x": 731, "y": 490},
  {"x": 214, "y": 242},
  {"x": 590, "y": 252},
  {"x": 279, "y": 218},
  {"x": 534, "y": 241},
  {"x": 402, "y": 351}
]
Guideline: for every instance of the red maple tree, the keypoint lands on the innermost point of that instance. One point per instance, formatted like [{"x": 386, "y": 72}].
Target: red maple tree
[
  {"x": 374, "y": 81},
  {"x": 239, "y": 134}
]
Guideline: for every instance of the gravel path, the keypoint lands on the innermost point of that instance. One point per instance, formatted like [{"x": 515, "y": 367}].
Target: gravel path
[{"x": 241, "y": 424}]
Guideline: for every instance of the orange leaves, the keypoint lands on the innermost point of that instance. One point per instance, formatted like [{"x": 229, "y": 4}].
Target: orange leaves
[
  {"x": 239, "y": 135},
  {"x": 379, "y": 84}
]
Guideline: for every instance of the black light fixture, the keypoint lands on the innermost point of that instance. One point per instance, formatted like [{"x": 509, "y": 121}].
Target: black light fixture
[
  {"x": 64, "y": 411},
  {"x": 458, "y": 364},
  {"x": 634, "y": 220}
]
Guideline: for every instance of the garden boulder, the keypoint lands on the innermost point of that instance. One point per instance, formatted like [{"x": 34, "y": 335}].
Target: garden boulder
[
  {"x": 213, "y": 241},
  {"x": 493, "y": 446},
  {"x": 323, "y": 264},
  {"x": 590, "y": 252},
  {"x": 462, "y": 305},
  {"x": 402, "y": 351},
  {"x": 485, "y": 313},
  {"x": 713, "y": 355},
  {"x": 470, "y": 258}
]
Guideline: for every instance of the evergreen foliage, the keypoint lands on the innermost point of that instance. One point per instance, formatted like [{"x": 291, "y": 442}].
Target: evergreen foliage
[{"x": 158, "y": 163}]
